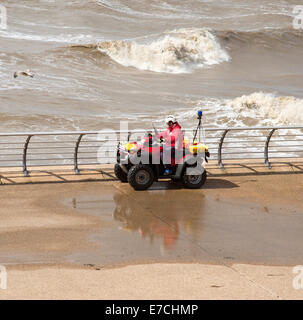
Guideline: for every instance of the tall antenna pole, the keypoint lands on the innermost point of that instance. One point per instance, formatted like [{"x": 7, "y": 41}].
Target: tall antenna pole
[{"x": 200, "y": 113}]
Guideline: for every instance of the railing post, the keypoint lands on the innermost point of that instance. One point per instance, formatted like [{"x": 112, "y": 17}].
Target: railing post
[
  {"x": 266, "y": 160},
  {"x": 25, "y": 172},
  {"x": 220, "y": 164},
  {"x": 76, "y": 169}
]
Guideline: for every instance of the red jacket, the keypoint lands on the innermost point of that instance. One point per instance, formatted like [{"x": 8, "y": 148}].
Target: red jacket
[{"x": 173, "y": 136}]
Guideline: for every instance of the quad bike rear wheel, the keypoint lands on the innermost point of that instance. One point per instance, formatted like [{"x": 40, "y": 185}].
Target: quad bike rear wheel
[
  {"x": 194, "y": 181},
  {"x": 141, "y": 177},
  {"x": 120, "y": 174}
]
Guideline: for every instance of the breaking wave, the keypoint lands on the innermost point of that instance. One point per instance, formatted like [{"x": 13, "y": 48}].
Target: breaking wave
[
  {"x": 256, "y": 109},
  {"x": 178, "y": 51},
  {"x": 286, "y": 110}
]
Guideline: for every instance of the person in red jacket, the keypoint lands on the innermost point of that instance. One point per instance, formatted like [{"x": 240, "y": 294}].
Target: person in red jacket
[{"x": 173, "y": 138}]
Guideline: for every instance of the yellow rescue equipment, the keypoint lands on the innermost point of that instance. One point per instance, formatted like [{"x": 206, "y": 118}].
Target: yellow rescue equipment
[
  {"x": 195, "y": 148},
  {"x": 130, "y": 146}
]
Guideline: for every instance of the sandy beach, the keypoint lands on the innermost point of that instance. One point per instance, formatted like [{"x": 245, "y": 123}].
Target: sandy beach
[{"x": 89, "y": 237}]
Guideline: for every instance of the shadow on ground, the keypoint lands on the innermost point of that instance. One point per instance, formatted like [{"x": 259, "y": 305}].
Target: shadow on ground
[{"x": 98, "y": 173}]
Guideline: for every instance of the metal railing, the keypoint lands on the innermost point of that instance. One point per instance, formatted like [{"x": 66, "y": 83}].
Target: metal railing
[{"x": 81, "y": 148}]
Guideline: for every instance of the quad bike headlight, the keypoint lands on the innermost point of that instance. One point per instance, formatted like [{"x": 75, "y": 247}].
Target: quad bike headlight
[{"x": 132, "y": 151}]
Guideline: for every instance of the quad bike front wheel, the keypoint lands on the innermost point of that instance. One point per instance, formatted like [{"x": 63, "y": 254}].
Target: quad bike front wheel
[
  {"x": 119, "y": 173},
  {"x": 140, "y": 177},
  {"x": 194, "y": 181}
]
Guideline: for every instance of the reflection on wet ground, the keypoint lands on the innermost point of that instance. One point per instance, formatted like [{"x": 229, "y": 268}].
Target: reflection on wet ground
[
  {"x": 165, "y": 224},
  {"x": 136, "y": 230}
]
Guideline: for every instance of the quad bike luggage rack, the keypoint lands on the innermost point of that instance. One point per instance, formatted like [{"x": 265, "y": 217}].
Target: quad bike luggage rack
[{"x": 37, "y": 149}]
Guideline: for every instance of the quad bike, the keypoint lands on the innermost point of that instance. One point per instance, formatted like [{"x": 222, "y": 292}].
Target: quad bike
[{"x": 141, "y": 164}]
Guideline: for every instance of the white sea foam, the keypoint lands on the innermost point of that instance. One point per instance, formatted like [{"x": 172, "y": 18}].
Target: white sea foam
[
  {"x": 281, "y": 110},
  {"x": 256, "y": 109},
  {"x": 177, "y": 51}
]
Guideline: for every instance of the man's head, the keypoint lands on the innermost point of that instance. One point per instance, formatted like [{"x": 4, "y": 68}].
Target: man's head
[{"x": 170, "y": 120}]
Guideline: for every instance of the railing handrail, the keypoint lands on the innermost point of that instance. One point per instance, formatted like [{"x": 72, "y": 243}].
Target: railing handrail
[
  {"x": 43, "y": 133},
  {"x": 224, "y": 133}
]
